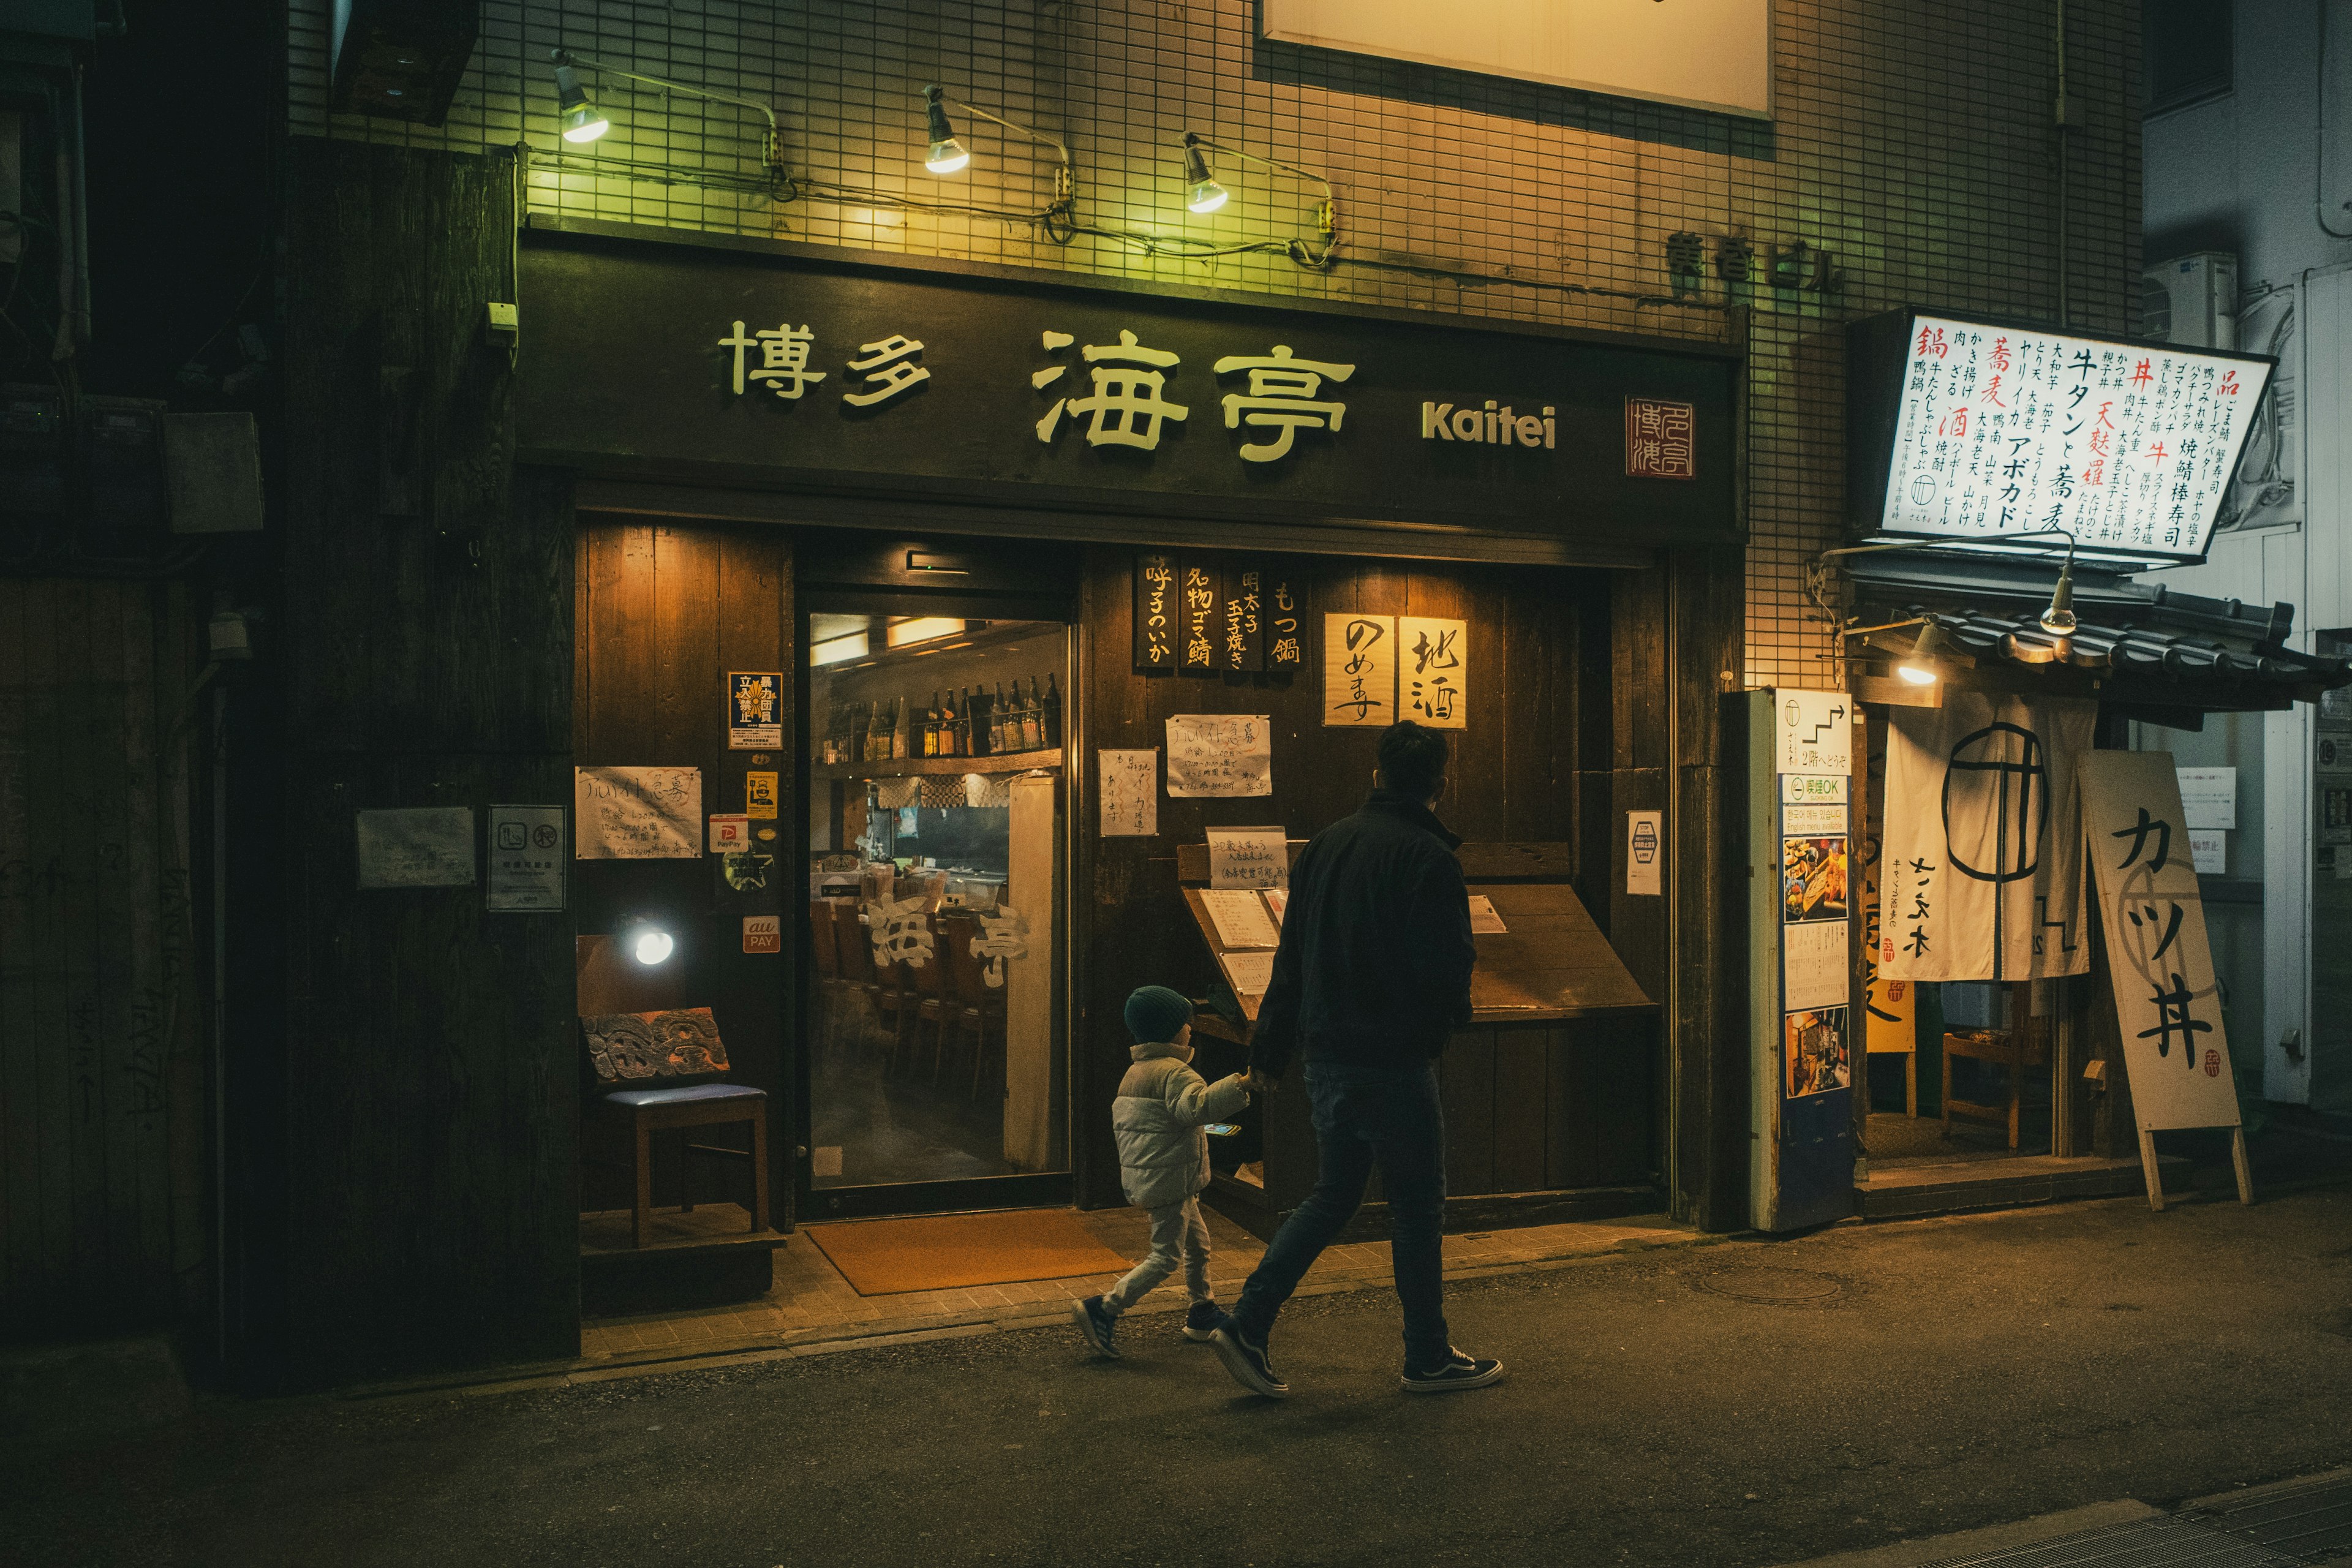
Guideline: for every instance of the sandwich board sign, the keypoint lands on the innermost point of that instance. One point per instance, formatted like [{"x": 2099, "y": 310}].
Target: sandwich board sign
[{"x": 2167, "y": 1002}]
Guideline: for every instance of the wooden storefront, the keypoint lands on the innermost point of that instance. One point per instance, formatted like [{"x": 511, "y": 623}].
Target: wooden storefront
[{"x": 629, "y": 530}]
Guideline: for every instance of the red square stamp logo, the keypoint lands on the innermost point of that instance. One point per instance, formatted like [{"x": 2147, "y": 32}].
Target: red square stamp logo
[
  {"x": 1661, "y": 439},
  {"x": 763, "y": 933}
]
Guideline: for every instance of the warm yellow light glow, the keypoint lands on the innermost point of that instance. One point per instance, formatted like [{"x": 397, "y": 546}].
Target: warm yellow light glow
[
  {"x": 946, "y": 157},
  {"x": 1207, "y": 198},
  {"x": 653, "y": 947},
  {"x": 922, "y": 628},
  {"x": 1917, "y": 674}
]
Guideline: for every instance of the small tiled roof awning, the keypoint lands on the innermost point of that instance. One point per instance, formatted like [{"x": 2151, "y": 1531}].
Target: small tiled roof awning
[{"x": 2171, "y": 655}]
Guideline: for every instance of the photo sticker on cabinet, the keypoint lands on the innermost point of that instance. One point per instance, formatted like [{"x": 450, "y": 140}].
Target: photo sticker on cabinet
[
  {"x": 1812, "y": 880},
  {"x": 1360, "y": 671},
  {"x": 760, "y": 795},
  {"x": 1813, "y": 1052}
]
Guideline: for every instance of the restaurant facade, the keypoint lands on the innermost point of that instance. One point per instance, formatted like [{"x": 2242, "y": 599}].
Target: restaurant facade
[{"x": 847, "y": 573}]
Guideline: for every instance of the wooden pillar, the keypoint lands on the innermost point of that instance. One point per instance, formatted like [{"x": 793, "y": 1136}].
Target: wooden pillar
[{"x": 425, "y": 646}]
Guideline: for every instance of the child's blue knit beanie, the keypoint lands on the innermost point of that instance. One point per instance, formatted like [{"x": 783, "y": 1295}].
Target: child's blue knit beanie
[{"x": 1154, "y": 1014}]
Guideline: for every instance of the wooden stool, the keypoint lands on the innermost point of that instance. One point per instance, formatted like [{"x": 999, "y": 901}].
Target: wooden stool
[{"x": 655, "y": 1110}]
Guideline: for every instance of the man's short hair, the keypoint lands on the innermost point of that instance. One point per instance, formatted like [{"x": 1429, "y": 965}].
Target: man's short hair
[{"x": 1412, "y": 760}]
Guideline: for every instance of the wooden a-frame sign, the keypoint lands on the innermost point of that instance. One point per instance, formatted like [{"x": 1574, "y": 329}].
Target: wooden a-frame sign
[{"x": 2168, "y": 1003}]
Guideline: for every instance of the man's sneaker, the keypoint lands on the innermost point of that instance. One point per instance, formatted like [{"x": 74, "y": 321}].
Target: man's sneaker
[
  {"x": 1459, "y": 1371},
  {"x": 1247, "y": 1361},
  {"x": 1202, "y": 1321},
  {"x": 1097, "y": 1323}
]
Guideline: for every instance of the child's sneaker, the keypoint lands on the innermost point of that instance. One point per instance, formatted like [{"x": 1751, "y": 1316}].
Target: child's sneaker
[
  {"x": 1201, "y": 1323},
  {"x": 1098, "y": 1324}
]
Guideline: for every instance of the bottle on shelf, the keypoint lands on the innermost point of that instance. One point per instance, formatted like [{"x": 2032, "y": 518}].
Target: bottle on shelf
[
  {"x": 1050, "y": 727},
  {"x": 996, "y": 737},
  {"x": 931, "y": 726},
  {"x": 964, "y": 730},
  {"x": 975, "y": 713},
  {"x": 952, "y": 729},
  {"x": 878, "y": 732},
  {"x": 1030, "y": 716},
  {"x": 900, "y": 730}
]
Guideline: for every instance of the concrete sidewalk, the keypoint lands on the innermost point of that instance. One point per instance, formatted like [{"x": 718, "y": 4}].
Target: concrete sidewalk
[{"x": 1742, "y": 1404}]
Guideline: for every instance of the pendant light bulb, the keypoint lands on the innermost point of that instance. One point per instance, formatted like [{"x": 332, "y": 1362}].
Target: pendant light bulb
[
  {"x": 578, "y": 118},
  {"x": 945, "y": 154},
  {"x": 2059, "y": 616},
  {"x": 1919, "y": 669},
  {"x": 1203, "y": 194}
]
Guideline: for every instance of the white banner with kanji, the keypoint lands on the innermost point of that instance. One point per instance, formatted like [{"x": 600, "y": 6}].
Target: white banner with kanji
[
  {"x": 1981, "y": 869},
  {"x": 2176, "y": 1050}
]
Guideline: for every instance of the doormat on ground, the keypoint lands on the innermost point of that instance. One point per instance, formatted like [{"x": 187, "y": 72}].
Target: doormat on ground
[{"x": 882, "y": 1256}]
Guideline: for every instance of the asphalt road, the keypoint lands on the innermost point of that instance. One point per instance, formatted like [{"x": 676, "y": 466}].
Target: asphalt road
[{"x": 1726, "y": 1404}]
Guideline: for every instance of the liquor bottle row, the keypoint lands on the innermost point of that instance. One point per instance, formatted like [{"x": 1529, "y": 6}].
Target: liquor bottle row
[{"x": 972, "y": 723}]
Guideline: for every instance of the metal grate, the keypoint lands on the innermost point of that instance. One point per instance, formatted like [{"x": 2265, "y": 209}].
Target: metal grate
[
  {"x": 2168, "y": 1543},
  {"x": 2312, "y": 1520}
]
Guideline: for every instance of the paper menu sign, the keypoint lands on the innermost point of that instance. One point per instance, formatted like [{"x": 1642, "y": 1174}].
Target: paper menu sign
[
  {"x": 1249, "y": 973},
  {"x": 1483, "y": 917},
  {"x": 1219, "y": 754},
  {"x": 416, "y": 846},
  {"x": 638, "y": 814},
  {"x": 1240, "y": 918},
  {"x": 1130, "y": 794},
  {"x": 1360, "y": 671},
  {"x": 1814, "y": 972},
  {"x": 1433, "y": 671},
  {"x": 2209, "y": 796},
  {"x": 1249, "y": 857}
]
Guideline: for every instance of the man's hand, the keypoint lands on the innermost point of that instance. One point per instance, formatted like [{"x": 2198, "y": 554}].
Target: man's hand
[{"x": 1259, "y": 1081}]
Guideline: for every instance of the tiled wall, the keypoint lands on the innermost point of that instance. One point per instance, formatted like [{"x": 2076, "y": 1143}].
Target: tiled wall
[{"x": 1912, "y": 140}]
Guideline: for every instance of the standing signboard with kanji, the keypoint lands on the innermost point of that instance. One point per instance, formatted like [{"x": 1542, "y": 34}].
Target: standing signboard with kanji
[{"x": 2167, "y": 1002}]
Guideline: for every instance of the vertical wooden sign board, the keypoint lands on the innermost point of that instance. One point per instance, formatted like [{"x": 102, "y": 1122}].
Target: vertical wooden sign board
[
  {"x": 1800, "y": 784},
  {"x": 1196, "y": 648},
  {"x": 2176, "y": 1053},
  {"x": 1155, "y": 614}
]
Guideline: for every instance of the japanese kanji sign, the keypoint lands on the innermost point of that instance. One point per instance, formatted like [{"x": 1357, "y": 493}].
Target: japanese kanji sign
[
  {"x": 1155, "y": 614},
  {"x": 886, "y": 377},
  {"x": 1240, "y": 618},
  {"x": 2167, "y": 1001},
  {"x": 1433, "y": 671},
  {"x": 1661, "y": 439},
  {"x": 1359, "y": 670},
  {"x": 1201, "y": 628},
  {"x": 1286, "y": 621},
  {"x": 1981, "y": 869},
  {"x": 1998, "y": 430}
]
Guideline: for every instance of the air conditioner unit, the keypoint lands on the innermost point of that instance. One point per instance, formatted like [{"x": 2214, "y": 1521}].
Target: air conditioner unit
[{"x": 2191, "y": 300}]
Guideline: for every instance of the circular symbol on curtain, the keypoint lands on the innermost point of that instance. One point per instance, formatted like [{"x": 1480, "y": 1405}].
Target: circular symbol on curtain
[{"x": 1996, "y": 777}]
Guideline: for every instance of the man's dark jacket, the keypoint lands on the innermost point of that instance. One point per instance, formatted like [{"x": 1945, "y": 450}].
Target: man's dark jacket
[{"x": 1375, "y": 965}]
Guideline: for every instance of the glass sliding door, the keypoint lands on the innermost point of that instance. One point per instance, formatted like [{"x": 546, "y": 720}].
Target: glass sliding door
[{"x": 934, "y": 1035}]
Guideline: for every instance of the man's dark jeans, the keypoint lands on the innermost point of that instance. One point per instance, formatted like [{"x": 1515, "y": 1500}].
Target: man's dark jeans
[{"x": 1364, "y": 1114}]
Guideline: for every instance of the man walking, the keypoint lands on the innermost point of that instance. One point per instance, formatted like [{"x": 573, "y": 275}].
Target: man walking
[{"x": 1371, "y": 976}]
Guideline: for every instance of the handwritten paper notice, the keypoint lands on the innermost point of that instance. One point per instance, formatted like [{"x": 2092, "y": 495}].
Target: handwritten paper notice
[
  {"x": 1241, "y": 920},
  {"x": 1360, "y": 671},
  {"x": 429, "y": 847},
  {"x": 1249, "y": 973},
  {"x": 1213, "y": 754},
  {"x": 1130, "y": 794},
  {"x": 1249, "y": 857},
  {"x": 1483, "y": 917},
  {"x": 638, "y": 814},
  {"x": 1433, "y": 671}
]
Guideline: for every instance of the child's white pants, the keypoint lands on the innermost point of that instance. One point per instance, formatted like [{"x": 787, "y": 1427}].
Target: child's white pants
[{"x": 1177, "y": 1231}]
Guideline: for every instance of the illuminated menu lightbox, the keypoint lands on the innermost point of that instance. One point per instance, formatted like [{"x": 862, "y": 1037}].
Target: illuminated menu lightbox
[{"x": 1963, "y": 430}]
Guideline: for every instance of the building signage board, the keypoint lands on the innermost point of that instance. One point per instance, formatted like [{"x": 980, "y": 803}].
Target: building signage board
[
  {"x": 1705, "y": 54},
  {"x": 761, "y": 363},
  {"x": 1963, "y": 429}
]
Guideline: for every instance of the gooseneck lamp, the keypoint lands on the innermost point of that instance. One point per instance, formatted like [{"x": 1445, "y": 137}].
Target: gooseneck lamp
[
  {"x": 943, "y": 154},
  {"x": 577, "y": 117},
  {"x": 1920, "y": 668},
  {"x": 1201, "y": 193},
  {"x": 581, "y": 122}
]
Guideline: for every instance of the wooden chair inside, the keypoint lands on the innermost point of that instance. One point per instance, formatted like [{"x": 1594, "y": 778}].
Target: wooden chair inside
[
  {"x": 979, "y": 1004},
  {"x": 827, "y": 958},
  {"x": 2024, "y": 1044},
  {"x": 861, "y": 986},
  {"x": 935, "y": 990}
]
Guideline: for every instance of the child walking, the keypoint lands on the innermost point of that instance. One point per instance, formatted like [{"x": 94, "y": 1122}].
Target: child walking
[{"x": 1163, "y": 1162}]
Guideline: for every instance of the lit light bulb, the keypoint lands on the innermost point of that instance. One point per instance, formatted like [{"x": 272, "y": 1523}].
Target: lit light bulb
[
  {"x": 653, "y": 946},
  {"x": 1203, "y": 194},
  {"x": 945, "y": 154},
  {"x": 2059, "y": 617},
  {"x": 580, "y": 121},
  {"x": 1917, "y": 674}
]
